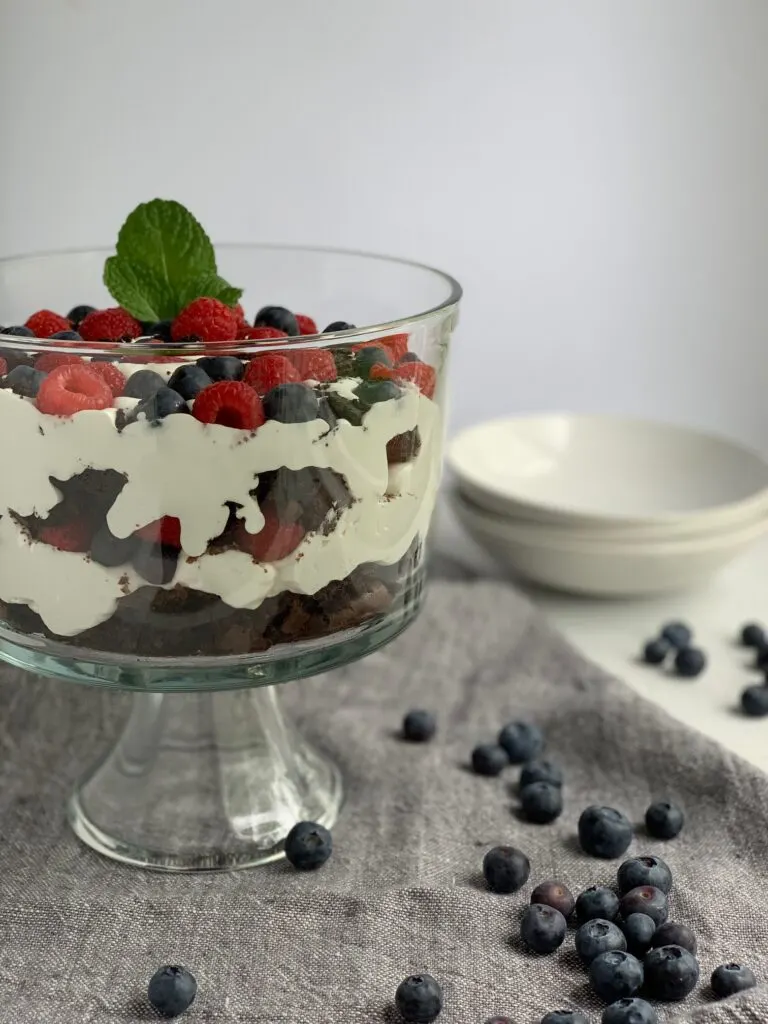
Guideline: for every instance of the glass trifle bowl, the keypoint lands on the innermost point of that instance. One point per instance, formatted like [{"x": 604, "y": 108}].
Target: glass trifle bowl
[{"x": 236, "y": 513}]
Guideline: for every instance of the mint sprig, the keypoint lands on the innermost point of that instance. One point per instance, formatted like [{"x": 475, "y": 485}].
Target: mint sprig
[{"x": 164, "y": 260}]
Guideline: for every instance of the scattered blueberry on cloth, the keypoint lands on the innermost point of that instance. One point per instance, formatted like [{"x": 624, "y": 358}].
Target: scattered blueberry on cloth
[{"x": 403, "y": 893}]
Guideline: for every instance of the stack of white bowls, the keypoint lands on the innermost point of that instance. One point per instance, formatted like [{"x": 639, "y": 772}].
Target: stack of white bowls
[{"x": 607, "y": 506}]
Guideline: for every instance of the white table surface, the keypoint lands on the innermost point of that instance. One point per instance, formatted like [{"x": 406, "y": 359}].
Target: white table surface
[{"x": 611, "y": 633}]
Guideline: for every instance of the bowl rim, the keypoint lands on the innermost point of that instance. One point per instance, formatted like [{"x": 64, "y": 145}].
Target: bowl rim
[
  {"x": 312, "y": 341},
  {"x": 562, "y": 514},
  {"x": 687, "y": 546}
]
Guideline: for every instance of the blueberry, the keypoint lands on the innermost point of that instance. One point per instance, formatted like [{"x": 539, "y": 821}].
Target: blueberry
[
  {"x": 65, "y": 336},
  {"x": 761, "y": 658},
  {"x": 77, "y": 314},
  {"x": 25, "y": 380},
  {"x": 279, "y": 317},
  {"x": 604, "y": 832},
  {"x": 639, "y": 930},
  {"x": 728, "y": 979},
  {"x": 554, "y": 894},
  {"x": 541, "y": 771},
  {"x": 645, "y": 899},
  {"x": 172, "y": 990},
  {"x": 368, "y": 357},
  {"x": 597, "y": 901},
  {"x": 645, "y": 870},
  {"x": 677, "y": 633},
  {"x": 18, "y": 331},
  {"x": 664, "y": 820},
  {"x": 371, "y": 392},
  {"x": 673, "y": 934},
  {"x": 564, "y": 1017},
  {"x": 419, "y": 726},
  {"x": 409, "y": 357},
  {"x": 308, "y": 845},
  {"x": 690, "y": 662},
  {"x": 655, "y": 652},
  {"x": 157, "y": 329},
  {"x": 164, "y": 402},
  {"x": 106, "y": 549},
  {"x": 522, "y": 741},
  {"x": 143, "y": 384},
  {"x": 671, "y": 972},
  {"x": 189, "y": 380},
  {"x": 615, "y": 975},
  {"x": 541, "y": 802},
  {"x": 754, "y": 700},
  {"x": 156, "y": 563},
  {"x": 488, "y": 759},
  {"x": 752, "y": 635},
  {"x": 291, "y": 403},
  {"x": 222, "y": 367},
  {"x": 596, "y": 937},
  {"x": 337, "y": 326},
  {"x": 630, "y": 1011},
  {"x": 506, "y": 869},
  {"x": 419, "y": 998},
  {"x": 543, "y": 928}
]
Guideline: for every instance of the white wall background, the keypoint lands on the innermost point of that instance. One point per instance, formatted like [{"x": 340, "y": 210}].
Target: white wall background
[{"x": 594, "y": 171}]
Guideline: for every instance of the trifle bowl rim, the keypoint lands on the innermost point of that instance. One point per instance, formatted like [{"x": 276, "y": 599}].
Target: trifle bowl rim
[{"x": 151, "y": 346}]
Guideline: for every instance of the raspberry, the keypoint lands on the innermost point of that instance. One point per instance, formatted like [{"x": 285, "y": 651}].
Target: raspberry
[
  {"x": 314, "y": 364},
  {"x": 3, "y": 367},
  {"x": 395, "y": 344},
  {"x": 260, "y": 333},
  {"x": 274, "y": 541},
  {"x": 109, "y": 325},
  {"x": 50, "y": 360},
  {"x": 45, "y": 323},
  {"x": 166, "y": 531},
  {"x": 240, "y": 314},
  {"x": 207, "y": 319},
  {"x": 420, "y": 374},
  {"x": 110, "y": 373},
  {"x": 306, "y": 324},
  {"x": 380, "y": 372},
  {"x": 265, "y": 372},
  {"x": 72, "y": 388},
  {"x": 73, "y": 536},
  {"x": 231, "y": 403}
]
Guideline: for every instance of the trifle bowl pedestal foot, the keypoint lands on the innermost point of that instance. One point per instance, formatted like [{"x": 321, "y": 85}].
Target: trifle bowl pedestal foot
[{"x": 204, "y": 781}]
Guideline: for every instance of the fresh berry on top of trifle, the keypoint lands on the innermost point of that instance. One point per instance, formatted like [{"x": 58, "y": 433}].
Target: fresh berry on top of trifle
[{"x": 198, "y": 495}]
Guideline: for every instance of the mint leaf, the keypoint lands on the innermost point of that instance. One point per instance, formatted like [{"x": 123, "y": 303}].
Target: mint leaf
[
  {"x": 138, "y": 292},
  {"x": 164, "y": 260},
  {"x": 213, "y": 287}
]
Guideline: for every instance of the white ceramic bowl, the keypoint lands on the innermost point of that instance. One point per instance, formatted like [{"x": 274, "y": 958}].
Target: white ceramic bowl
[
  {"x": 608, "y": 569},
  {"x": 608, "y": 473}
]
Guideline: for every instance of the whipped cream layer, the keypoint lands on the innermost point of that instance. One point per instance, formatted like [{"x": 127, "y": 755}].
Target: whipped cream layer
[{"x": 189, "y": 470}]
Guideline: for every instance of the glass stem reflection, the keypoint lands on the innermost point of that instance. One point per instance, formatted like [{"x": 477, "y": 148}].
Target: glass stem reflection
[{"x": 204, "y": 781}]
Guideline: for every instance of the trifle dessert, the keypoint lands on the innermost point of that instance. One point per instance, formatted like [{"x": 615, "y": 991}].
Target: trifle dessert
[{"x": 184, "y": 475}]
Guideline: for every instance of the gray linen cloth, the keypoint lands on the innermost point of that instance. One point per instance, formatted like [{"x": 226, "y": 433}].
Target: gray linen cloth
[{"x": 80, "y": 936}]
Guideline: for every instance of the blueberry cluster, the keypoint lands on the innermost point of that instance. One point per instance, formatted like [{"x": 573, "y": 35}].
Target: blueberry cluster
[
  {"x": 541, "y": 781},
  {"x": 674, "y": 643},
  {"x": 754, "y": 698},
  {"x": 622, "y": 937}
]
